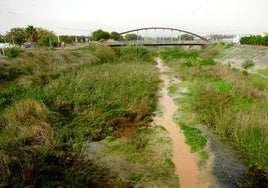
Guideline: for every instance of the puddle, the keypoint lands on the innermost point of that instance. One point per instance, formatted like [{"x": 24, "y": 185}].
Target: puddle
[{"x": 186, "y": 163}]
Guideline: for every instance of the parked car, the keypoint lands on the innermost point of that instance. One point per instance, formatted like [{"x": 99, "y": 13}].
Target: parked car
[{"x": 27, "y": 45}]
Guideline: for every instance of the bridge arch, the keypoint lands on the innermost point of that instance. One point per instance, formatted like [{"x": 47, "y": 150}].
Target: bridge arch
[{"x": 165, "y": 28}]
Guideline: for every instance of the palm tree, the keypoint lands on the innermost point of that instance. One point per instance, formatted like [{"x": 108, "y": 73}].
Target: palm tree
[{"x": 31, "y": 34}]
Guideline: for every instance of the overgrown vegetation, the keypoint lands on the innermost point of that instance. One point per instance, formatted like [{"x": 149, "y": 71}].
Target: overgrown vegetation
[
  {"x": 255, "y": 40},
  {"x": 263, "y": 71},
  {"x": 247, "y": 64},
  {"x": 149, "y": 156},
  {"x": 56, "y": 101},
  {"x": 12, "y": 52},
  {"x": 232, "y": 104}
]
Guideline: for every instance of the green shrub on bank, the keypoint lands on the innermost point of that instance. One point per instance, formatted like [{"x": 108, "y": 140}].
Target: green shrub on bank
[
  {"x": 254, "y": 40},
  {"x": 133, "y": 54},
  {"x": 13, "y": 52},
  {"x": 247, "y": 64}
]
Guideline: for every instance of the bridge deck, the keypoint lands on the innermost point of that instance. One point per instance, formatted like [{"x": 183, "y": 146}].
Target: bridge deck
[{"x": 156, "y": 44}]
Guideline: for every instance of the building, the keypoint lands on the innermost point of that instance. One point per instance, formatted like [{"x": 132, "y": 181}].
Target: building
[{"x": 264, "y": 34}]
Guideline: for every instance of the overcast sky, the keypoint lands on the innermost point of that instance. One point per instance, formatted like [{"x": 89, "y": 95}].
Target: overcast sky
[{"x": 81, "y": 17}]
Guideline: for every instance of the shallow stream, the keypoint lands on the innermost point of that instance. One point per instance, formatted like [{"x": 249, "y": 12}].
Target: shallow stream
[{"x": 222, "y": 169}]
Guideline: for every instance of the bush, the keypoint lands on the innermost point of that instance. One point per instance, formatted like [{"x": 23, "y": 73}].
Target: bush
[
  {"x": 12, "y": 52},
  {"x": 133, "y": 53},
  {"x": 104, "y": 53},
  {"x": 247, "y": 64},
  {"x": 255, "y": 40}
]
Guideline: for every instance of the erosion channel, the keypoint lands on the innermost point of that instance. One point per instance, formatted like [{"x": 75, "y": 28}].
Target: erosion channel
[{"x": 217, "y": 170}]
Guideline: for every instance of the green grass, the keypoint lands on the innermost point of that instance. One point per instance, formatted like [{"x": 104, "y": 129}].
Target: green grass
[
  {"x": 259, "y": 82},
  {"x": 195, "y": 139},
  {"x": 263, "y": 71},
  {"x": 220, "y": 85},
  {"x": 178, "y": 53},
  {"x": 173, "y": 89},
  {"x": 151, "y": 164}
]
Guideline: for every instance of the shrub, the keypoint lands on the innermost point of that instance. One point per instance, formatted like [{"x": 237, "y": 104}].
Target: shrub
[
  {"x": 247, "y": 64},
  {"x": 13, "y": 52},
  {"x": 210, "y": 62},
  {"x": 132, "y": 53}
]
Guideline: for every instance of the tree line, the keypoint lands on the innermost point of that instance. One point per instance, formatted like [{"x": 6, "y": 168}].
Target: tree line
[
  {"x": 100, "y": 34},
  {"x": 34, "y": 35},
  {"x": 41, "y": 37},
  {"x": 38, "y": 36},
  {"x": 254, "y": 40}
]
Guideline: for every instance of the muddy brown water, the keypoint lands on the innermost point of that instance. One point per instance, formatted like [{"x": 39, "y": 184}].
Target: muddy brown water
[{"x": 186, "y": 163}]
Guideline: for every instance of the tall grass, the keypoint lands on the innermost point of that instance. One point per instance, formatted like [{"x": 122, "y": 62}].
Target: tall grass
[
  {"x": 68, "y": 98},
  {"x": 111, "y": 95}
]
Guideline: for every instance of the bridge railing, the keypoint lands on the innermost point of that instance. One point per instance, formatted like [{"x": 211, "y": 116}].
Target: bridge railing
[{"x": 154, "y": 42}]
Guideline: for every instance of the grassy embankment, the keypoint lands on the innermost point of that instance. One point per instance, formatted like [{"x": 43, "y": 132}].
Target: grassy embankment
[
  {"x": 230, "y": 102},
  {"x": 55, "y": 102}
]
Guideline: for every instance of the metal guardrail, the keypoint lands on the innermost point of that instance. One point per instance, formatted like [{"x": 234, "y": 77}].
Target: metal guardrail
[{"x": 146, "y": 43}]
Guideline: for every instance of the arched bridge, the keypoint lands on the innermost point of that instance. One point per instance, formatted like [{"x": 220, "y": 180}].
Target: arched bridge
[{"x": 157, "y": 36}]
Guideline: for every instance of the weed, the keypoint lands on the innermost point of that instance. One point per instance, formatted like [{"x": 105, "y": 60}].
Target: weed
[
  {"x": 8, "y": 96},
  {"x": 209, "y": 62},
  {"x": 13, "y": 52},
  {"x": 110, "y": 138},
  {"x": 172, "y": 89},
  {"x": 170, "y": 163},
  {"x": 135, "y": 176},
  {"x": 247, "y": 64},
  {"x": 133, "y": 53},
  {"x": 105, "y": 54},
  {"x": 263, "y": 71},
  {"x": 194, "y": 138},
  {"x": 70, "y": 101},
  {"x": 230, "y": 45},
  {"x": 178, "y": 53},
  {"x": 208, "y": 54}
]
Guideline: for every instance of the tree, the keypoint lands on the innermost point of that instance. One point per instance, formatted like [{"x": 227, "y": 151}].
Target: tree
[
  {"x": 254, "y": 40},
  {"x": 2, "y": 39},
  {"x": 116, "y": 36},
  {"x": 16, "y": 35},
  {"x": 67, "y": 39},
  {"x": 131, "y": 36},
  {"x": 187, "y": 37},
  {"x": 46, "y": 38},
  {"x": 99, "y": 34},
  {"x": 31, "y": 34}
]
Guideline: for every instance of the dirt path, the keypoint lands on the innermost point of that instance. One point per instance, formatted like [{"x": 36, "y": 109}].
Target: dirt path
[{"x": 185, "y": 162}]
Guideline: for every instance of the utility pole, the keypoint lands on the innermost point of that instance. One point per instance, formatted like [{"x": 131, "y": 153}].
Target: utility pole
[
  {"x": 13, "y": 40},
  {"x": 163, "y": 36}
]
